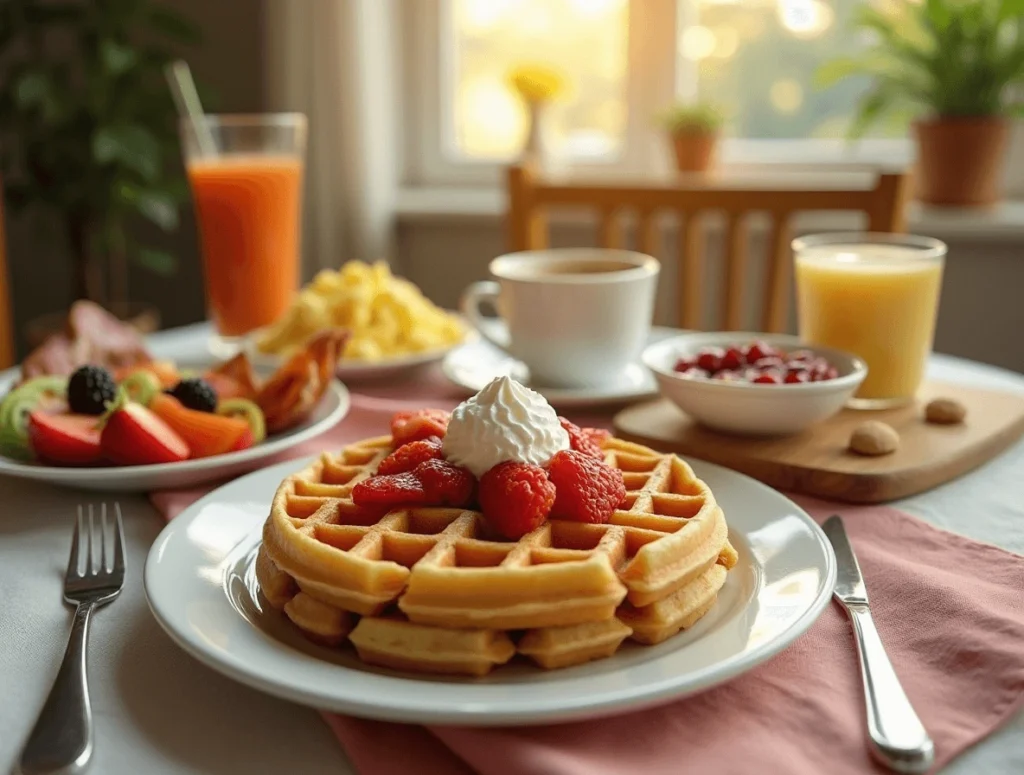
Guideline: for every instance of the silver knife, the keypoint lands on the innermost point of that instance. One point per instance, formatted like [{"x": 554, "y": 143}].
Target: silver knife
[{"x": 898, "y": 738}]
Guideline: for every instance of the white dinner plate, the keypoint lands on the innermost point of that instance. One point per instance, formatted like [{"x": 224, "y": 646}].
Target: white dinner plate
[
  {"x": 332, "y": 407},
  {"x": 350, "y": 370},
  {"x": 476, "y": 363},
  {"x": 200, "y": 583}
]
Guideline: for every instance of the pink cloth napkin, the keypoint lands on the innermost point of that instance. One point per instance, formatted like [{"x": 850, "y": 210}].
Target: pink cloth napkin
[{"x": 950, "y": 611}]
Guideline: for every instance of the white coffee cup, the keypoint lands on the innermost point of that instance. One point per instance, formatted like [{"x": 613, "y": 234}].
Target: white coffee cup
[{"x": 577, "y": 317}]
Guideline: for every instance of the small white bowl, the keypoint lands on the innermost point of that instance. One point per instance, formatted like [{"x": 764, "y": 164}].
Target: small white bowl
[{"x": 751, "y": 409}]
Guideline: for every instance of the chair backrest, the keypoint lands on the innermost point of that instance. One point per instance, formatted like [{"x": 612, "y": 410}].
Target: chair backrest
[
  {"x": 530, "y": 196},
  {"x": 6, "y": 315}
]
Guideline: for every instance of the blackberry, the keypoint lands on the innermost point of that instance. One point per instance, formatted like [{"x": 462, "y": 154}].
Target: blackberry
[
  {"x": 89, "y": 390},
  {"x": 196, "y": 394}
]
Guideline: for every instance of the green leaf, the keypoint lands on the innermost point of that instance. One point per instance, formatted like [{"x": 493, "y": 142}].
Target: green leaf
[
  {"x": 835, "y": 70},
  {"x": 869, "y": 109},
  {"x": 1011, "y": 9},
  {"x": 170, "y": 24},
  {"x": 131, "y": 145},
  {"x": 116, "y": 57},
  {"x": 938, "y": 13},
  {"x": 32, "y": 89},
  {"x": 158, "y": 261},
  {"x": 159, "y": 208}
]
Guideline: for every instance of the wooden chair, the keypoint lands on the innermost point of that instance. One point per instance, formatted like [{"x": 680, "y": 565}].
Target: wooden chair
[
  {"x": 6, "y": 315},
  {"x": 530, "y": 196}
]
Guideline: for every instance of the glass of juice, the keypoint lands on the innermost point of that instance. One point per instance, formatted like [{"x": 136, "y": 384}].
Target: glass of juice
[
  {"x": 874, "y": 295},
  {"x": 246, "y": 177}
]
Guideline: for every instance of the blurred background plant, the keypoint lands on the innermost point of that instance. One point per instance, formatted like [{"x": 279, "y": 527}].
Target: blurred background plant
[
  {"x": 936, "y": 59},
  {"x": 88, "y": 129},
  {"x": 693, "y": 117}
]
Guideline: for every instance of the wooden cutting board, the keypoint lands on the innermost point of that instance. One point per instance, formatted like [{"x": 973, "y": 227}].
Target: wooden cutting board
[{"x": 817, "y": 462}]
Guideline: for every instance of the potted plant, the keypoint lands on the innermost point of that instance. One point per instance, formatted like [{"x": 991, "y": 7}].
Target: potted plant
[
  {"x": 694, "y": 129},
  {"x": 88, "y": 131},
  {"x": 953, "y": 65}
]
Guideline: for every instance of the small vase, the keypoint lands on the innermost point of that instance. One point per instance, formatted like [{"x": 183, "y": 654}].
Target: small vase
[{"x": 535, "y": 150}]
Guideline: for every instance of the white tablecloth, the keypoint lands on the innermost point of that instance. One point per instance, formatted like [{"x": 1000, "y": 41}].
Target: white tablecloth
[{"x": 159, "y": 712}]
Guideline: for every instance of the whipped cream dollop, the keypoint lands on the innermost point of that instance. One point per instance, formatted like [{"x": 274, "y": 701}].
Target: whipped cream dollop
[{"x": 504, "y": 421}]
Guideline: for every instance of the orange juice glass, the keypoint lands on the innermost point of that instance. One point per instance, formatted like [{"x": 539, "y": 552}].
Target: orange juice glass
[
  {"x": 246, "y": 177},
  {"x": 874, "y": 295}
]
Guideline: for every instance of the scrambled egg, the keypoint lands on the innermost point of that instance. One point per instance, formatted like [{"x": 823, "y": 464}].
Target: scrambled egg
[{"x": 386, "y": 316}]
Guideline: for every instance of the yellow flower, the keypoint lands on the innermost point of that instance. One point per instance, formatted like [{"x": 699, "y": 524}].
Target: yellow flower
[{"x": 536, "y": 82}]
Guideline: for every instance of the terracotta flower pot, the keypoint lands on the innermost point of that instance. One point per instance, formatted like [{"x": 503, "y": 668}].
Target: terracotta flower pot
[
  {"x": 960, "y": 160},
  {"x": 695, "y": 151}
]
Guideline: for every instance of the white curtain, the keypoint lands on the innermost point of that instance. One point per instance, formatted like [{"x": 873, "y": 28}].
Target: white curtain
[{"x": 334, "y": 61}]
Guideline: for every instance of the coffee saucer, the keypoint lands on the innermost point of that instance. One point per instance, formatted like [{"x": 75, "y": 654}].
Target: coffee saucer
[{"x": 473, "y": 365}]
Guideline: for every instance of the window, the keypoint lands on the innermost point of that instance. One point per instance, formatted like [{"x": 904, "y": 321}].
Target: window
[
  {"x": 624, "y": 61},
  {"x": 585, "y": 39}
]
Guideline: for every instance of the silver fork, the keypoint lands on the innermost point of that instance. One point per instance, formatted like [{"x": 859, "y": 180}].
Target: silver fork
[{"x": 61, "y": 740}]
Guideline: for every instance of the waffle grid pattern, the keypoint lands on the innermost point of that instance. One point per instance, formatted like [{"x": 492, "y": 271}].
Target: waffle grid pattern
[{"x": 431, "y": 579}]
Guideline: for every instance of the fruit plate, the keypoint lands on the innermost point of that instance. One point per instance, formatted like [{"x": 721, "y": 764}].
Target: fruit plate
[
  {"x": 200, "y": 584},
  {"x": 331, "y": 409}
]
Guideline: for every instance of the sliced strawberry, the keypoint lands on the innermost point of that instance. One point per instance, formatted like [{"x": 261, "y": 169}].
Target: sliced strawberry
[
  {"x": 134, "y": 435},
  {"x": 206, "y": 434},
  {"x": 389, "y": 491},
  {"x": 419, "y": 424},
  {"x": 65, "y": 439}
]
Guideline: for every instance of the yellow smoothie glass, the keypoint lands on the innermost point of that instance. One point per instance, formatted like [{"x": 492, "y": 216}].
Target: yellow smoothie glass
[{"x": 874, "y": 295}]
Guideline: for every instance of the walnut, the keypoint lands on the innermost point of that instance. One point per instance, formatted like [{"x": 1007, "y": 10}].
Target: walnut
[
  {"x": 944, "y": 411},
  {"x": 874, "y": 438}
]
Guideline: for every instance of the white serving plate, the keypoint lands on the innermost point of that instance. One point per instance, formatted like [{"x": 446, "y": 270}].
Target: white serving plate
[
  {"x": 331, "y": 409},
  {"x": 200, "y": 583},
  {"x": 748, "y": 409},
  {"x": 351, "y": 370}
]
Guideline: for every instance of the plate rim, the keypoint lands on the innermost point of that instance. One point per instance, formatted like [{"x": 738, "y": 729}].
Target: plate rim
[
  {"x": 73, "y": 474},
  {"x": 628, "y": 699}
]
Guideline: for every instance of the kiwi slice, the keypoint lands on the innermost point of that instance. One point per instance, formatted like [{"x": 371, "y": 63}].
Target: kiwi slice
[
  {"x": 141, "y": 386},
  {"x": 248, "y": 411},
  {"x": 17, "y": 406}
]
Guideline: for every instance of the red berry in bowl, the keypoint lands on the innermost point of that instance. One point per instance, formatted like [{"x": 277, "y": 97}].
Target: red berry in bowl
[
  {"x": 767, "y": 378},
  {"x": 733, "y": 359},
  {"x": 831, "y": 373},
  {"x": 685, "y": 364},
  {"x": 797, "y": 376},
  {"x": 710, "y": 359},
  {"x": 759, "y": 350},
  {"x": 769, "y": 362}
]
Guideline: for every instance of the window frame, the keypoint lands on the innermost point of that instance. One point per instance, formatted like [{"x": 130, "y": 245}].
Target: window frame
[{"x": 651, "y": 53}]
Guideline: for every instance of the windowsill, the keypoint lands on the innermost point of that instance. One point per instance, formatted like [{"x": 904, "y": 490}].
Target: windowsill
[{"x": 1005, "y": 221}]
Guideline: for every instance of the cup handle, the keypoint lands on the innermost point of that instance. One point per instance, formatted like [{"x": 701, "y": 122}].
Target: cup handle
[{"x": 493, "y": 330}]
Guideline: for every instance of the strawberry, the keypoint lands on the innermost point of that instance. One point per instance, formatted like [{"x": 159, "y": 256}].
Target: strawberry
[
  {"x": 389, "y": 491},
  {"x": 410, "y": 455},
  {"x": 580, "y": 440},
  {"x": 418, "y": 424},
  {"x": 206, "y": 434},
  {"x": 65, "y": 439},
  {"x": 133, "y": 435},
  {"x": 432, "y": 483},
  {"x": 445, "y": 484},
  {"x": 586, "y": 489},
  {"x": 515, "y": 498}
]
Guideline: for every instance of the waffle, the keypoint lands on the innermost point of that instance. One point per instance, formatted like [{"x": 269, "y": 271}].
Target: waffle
[{"x": 425, "y": 589}]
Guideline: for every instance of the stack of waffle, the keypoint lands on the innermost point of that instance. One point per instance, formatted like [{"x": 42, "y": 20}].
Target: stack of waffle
[{"x": 423, "y": 589}]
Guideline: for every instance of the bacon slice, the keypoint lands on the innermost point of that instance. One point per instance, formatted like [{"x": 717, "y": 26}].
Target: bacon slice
[{"x": 92, "y": 335}]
